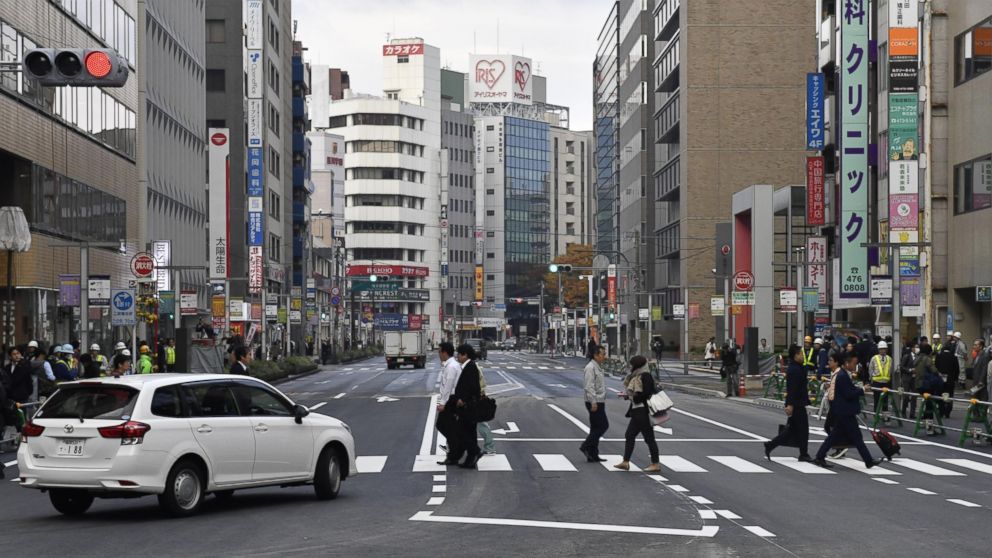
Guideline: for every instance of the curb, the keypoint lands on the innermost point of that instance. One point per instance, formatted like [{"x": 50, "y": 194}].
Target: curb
[{"x": 694, "y": 390}]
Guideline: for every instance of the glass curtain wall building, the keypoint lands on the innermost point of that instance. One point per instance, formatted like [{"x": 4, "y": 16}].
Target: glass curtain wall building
[
  {"x": 607, "y": 119},
  {"x": 528, "y": 206}
]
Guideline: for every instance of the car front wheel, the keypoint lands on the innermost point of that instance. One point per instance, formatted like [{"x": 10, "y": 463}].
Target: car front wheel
[
  {"x": 327, "y": 478},
  {"x": 183, "y": 489},
  {"x": 70, "y": 502}
]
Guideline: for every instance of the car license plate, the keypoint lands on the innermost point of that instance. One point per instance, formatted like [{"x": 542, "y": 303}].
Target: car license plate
[{"x": 71, "y": 447}]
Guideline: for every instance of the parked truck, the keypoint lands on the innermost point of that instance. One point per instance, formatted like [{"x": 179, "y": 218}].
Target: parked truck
[{"x": 405, "y": 347}]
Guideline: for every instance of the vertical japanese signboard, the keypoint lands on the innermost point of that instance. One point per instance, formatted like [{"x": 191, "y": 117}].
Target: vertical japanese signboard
[
  {"x": 903, "y": 152},
  {"x": 816, "y": 206},
  {"x": 218, "y": 151},
  {"x": 254, "y": 269},
  {"x": 480, "y": 286},
  {"x": 611, "y": 286},
  {"x": 162, "y": 252},
  {"x": 854, "y": 177},
  {"x": 814, "y": 111},
  {"x": 816, "y": 270}
]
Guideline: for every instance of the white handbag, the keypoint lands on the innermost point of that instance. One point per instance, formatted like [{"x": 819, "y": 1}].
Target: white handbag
[{"x": 660, "y": 402}]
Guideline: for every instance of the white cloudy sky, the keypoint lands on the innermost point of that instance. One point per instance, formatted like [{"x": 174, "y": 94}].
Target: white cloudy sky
[{"x": 560, "y": 35}]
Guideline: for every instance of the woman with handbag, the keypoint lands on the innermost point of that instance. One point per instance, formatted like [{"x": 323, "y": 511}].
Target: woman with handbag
[{"x": 639, "y": 388}]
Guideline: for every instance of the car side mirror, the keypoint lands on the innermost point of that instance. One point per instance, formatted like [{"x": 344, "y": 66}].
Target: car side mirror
[{"x": 299, "y": 412}]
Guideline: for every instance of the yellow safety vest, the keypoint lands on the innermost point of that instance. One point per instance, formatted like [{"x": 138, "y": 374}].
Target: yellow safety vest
[
  {"x": 882, "y": 367},
  {"x": 937, "y": 347},
  {"x": 808, "y": 357},
  {"x": 170, "y": 355}
]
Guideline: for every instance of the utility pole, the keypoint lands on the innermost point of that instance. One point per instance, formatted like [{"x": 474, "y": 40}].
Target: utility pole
[{"x": 540, "y": 321}]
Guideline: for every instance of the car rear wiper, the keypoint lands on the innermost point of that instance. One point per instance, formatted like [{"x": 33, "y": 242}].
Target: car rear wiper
[{"x": 81, "y": 416}]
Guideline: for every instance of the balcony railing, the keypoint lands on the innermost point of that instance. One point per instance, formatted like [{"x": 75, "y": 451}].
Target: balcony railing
[
  {"x": 666, "y": 73},
  {"x": 667, "y": 181},
  {"x": 666, "y": 20},
  {"x": 667, "y": 121},
  {"x": 668, "y": 242}
]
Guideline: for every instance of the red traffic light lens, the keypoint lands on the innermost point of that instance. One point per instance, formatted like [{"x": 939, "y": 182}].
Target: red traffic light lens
[{"x": 98, "y": 64}]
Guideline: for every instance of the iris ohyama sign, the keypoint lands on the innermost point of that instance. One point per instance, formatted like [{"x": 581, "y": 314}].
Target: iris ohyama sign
[{"x": 500, "y": 78}]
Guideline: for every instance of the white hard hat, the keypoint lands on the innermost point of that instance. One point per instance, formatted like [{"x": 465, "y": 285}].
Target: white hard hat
[
  {"x": 95, "y": 347},
  {"x": 818, "y": 341},
  {"x": 936, "y": 336},
  {"x": 120, "y": 346},
  {"x": 67, "y": 349},
  {"x": 950, "y": 334},
  {"x": 883, "y": 345},
  {"x": 957, "y": 334},
  {"x": 32, "y": 344},
  {"x": 126, "y": 353}
]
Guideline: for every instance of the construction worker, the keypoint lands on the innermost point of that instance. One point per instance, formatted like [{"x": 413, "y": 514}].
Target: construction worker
[
  {"x": 809, "y": 355},
  {"x": 122, "y": 364},
  {"x": 145, "y": 360},
  {"x": 99, "y": 358},
  {"x": 170, "y": 356},
  {"x": 937, "y": 346},
  {"x": 119, "y": 349},
  {"x": 62, "y": 367},
  {"x": 880, "y": 372}
]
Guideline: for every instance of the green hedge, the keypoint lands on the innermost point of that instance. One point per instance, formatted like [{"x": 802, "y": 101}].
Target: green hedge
[
  {"x": 355, "y": 354},
  {"x": 269, "y": 371}
]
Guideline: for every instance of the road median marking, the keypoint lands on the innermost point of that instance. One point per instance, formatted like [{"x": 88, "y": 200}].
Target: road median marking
[
  {"x": 570, "y": 418},
  {"x": 707, "y": 531}
]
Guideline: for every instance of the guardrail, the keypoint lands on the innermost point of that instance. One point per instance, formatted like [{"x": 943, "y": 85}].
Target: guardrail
[{"x": 977, "y": 423}]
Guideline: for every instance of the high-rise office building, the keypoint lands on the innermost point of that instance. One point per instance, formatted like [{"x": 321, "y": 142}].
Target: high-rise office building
[{"x": 68, "y": 160}]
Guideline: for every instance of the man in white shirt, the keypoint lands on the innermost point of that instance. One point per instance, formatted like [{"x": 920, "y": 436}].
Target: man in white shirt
[{"x": 446, "y": 418}]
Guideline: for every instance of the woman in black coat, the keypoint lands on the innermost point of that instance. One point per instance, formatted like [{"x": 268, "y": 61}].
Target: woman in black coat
[{"x": 640, "y": 387}]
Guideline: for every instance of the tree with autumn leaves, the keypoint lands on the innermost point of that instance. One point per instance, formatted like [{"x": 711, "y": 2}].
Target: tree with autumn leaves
[{"x": 576, "y": 291}]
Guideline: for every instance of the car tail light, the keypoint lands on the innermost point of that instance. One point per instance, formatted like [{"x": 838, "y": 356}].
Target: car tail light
[
  {"x": 31, "y": 430},
  {"x": 130, "y": 432}
]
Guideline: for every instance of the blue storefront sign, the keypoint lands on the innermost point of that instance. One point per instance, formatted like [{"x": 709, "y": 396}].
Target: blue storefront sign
[
  {"x": 814, "y": 111},
  {"x": 256, "y": 177},
  {"x": 255, "y": 229},
  {"x": 390, "y": 322}
]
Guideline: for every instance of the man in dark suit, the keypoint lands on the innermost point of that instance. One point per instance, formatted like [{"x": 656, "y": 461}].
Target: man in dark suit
[
  {"x": 846, "y": 406},
  {"x": 467, "y": 391},
  {"x": 241, "y": 360},
  {"x": 796, "y": 400}
]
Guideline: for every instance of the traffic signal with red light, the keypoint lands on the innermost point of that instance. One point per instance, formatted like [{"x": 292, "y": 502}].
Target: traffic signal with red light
[{"x": 98, "y": 67}]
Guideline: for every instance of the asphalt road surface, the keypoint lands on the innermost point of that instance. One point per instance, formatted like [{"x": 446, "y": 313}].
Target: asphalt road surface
[{"x": 716, "y": 494}]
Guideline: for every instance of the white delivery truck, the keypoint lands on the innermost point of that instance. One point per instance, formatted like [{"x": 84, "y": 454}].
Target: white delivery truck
[{"x": 405, "y": 347}]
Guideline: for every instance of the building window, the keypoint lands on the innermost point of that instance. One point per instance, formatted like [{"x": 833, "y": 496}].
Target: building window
[
  {"x": 490, "y": 277},
  {"x": 490, "y": 170},
  {"x": 216, "y": 80},
  {"x": 491, "y": 212},
  {"x": 973, "y": 52},
  {"x": 215, "y": 31},
  {"x": 275, "y": 205},
  {"x": 402, "y": 59},
  {"x": 490, "y": 128},
  {"x": 274, "y": 119},
  {"x": 338, "y": 122},
  {"x": 491, "y": 191},
  {"x": 274, "y": 247},
  {"x": 490, "y": 255},
  {"x": 275, "y": 163},
  {"x": 973, "y": 185}
]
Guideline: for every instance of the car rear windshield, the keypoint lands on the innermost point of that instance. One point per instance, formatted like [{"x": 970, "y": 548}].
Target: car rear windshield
[{"x": 90, "y": 402}]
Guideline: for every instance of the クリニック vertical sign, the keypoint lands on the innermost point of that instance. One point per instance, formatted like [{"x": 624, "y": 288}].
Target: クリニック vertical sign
[
  {"x": 854, "y": 222},
  {"x": 814, "y": 110}
]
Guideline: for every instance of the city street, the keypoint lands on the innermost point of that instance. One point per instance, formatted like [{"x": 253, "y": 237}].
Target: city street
[{"x": 716, "y": 494}]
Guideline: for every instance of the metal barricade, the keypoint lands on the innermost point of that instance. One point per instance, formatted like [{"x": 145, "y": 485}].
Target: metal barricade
[{"x": 977, "y": 422}]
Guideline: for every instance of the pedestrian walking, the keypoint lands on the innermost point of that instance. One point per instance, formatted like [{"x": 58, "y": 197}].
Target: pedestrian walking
[
  {"x": 948, "y": 365},
  {"x": 658, "y": 346},
  {"x": 710, "y": 352},
  {"x": 483, "y": 428},
  {"x": 594, "y": 386},
  {"x": 880, "y": 372},
  {"x": 447, "y": 420},
  {"x": 729, "y": 365},
  {"x": 639, "y": 387},
  {"x": 796, "y": 399},
  {"x": 467, "y": 392},
  {"x": 846, "y": 405},
  {"x": 822, "y": 358},
  {"x": 907, "y": 377}
]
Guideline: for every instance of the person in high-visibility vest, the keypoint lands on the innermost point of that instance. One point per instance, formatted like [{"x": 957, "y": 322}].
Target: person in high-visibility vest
[
  {"x": 145, "y": 360},
  {"x": 937, "y": 346},
  {"x": 809, "y": 355},
  {"x": 880, "y": 371},
  {"x": 98, "y": 358},
  {"x": 170, "y": 356}
]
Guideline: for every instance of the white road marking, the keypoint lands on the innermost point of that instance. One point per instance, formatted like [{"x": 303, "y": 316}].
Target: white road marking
[
  {"x": 613, "y": 459},
  {"x": 679, "y": 464},
  {"x": 543, "y": 367},
  {"x": 663, "y": 430},
  {"x": 720, "y": 424},
  {"x": 885, "y": 481},
  {"x": 727, "y": 514},
  {"x": 570, "y": 418},
  {"x": 707, "y": 514},
  {"x": 708, "y": 531},
  {"x": 922, "y": 491},
  {"x": 678, "y": 488},
  {"x": 340, "y": 395},
  {"x": 425, "y": 442},
  {"x": 969, "y": 464},
  {"x": 10, "y": 463},
  {"x": 370, "y": 463},
  {"x": 318, "y": 405},
  {"x": 758, "y": 531},
  {"x": 428, "y": 464},
  {"x": 439, "y": 488},
  {"x": 559, "y": 367},
  {"x": 385, "y": 399},
  {"x": 802, "y": 467},
  {"x": 562, "y": 386},
  {"x": 859, "y": 465},
  {"x": 511, "y": 428},
  {"x": 496, "y": 462},
  {"x": 15, "y": 479},
  {"x": 435, "y": 501},
  {"x": 657, "y": 478},
  {"x": 700, "y": 500},
  {"x": 554, "y": 462},
  {"x": 964, "y": 503},
  {"x": 926, "y": 468},
  {"x": 738, "y": 464},
  {"x": 440, "y": 478}
]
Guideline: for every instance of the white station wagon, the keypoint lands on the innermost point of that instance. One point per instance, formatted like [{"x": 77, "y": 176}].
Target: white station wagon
[{"x": 178, "y": 436}]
